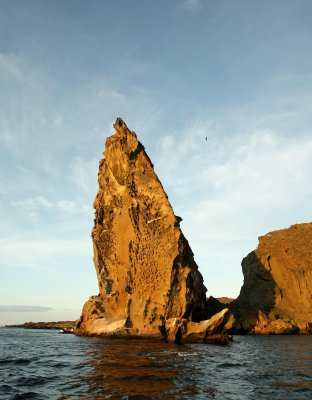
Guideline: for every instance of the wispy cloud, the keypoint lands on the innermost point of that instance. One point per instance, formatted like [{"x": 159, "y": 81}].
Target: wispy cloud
[
  {"x": 262, "y": 168},
  {"x": 249, "y": 177},
  {"x": 192, "y": 5},
  {"x": 82, "y": 173},
  {"x": 72, "y": 207},
  {"x": 33, "y": 203},
  {"x": 41, "y": 203},
  {"x": 11, "y": 67},
  {"x": 24, "y": 309}
]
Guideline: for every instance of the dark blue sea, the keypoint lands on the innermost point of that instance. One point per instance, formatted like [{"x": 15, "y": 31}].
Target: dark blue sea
[{"x": 40, "y": 364}]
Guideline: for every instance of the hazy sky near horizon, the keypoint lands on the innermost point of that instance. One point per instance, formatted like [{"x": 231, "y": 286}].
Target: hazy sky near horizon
[{"x": 238, "y": 73}]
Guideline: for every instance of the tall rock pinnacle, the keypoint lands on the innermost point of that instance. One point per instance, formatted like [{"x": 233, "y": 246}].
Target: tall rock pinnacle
[{"x": 145, "y": 267}]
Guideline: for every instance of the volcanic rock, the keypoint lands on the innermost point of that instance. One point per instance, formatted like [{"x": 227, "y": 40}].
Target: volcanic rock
[
  {"x": 179, "y": 330},
  {"x": 145, "y": 267},
  {"x": 276, "y": 296},
  {"x": 215, "y": 305},
  {"x": 276, "y": 327}
]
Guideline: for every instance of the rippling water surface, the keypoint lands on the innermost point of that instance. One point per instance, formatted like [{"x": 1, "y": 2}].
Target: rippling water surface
[{"x": 37, "y": 364}]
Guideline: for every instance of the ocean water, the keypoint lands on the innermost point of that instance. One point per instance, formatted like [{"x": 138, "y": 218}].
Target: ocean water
[{"x": 38, "y": 364}]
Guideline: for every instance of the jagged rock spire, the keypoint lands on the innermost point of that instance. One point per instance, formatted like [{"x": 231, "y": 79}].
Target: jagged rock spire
[{"x": 145, "y": 266}]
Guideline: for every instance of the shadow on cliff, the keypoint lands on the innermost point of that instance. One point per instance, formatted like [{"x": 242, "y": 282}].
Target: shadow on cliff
[{"x": 258, "y": 293}]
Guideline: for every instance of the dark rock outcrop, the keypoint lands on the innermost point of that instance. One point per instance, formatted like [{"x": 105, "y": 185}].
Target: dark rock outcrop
[{"x": 215, "y": 305}]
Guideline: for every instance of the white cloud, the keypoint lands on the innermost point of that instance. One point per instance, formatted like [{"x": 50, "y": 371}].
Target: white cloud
[
  {"x": 73, "y": 207},
  {"x": 8, "y": 140},
  {"x": 83, "y": 173},
  {"x": 33, "y": 203},
  {"x": 192, "y": 5},
  {"x": 250, "y": 177},
  {"x": 58, "y": 120},
  {"x": 167, "y": 142},
  {"x": 118, "y": 95},
  {"x": 10, "y": 66}
]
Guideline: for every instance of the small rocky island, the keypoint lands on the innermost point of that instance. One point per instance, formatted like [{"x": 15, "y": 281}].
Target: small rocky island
[{"x": 149, "y": 283}]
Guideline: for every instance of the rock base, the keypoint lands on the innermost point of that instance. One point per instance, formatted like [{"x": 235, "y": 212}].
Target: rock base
[{"x": 175, "y": 330}]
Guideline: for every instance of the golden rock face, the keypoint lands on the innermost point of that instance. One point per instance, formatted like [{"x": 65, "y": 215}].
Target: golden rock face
[
  {"x": 145, "y": 267},
  {"x": 278, "y": 281}
]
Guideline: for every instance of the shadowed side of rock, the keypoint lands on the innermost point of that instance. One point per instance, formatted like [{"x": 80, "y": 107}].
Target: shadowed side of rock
[{"x": 145, "y": 267}]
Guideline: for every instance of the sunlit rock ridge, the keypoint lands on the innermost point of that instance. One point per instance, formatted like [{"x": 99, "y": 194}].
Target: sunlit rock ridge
[
  {"x": 146, "y": 272},
  {"x": 276, "y": 297}
]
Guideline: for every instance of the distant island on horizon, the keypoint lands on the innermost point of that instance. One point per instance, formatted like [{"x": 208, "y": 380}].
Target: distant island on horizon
[{"x": 44, "y": 325}]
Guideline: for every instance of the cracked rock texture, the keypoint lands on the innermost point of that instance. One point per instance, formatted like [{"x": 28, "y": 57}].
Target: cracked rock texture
[
  {"x": 145, "y": 267},
  {"x": 276, "y": 296}
]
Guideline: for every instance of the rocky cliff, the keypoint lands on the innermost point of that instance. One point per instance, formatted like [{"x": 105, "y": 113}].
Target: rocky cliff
[
  {"x": 145, "y": 267},
  {"x": 276, "y": 296}
]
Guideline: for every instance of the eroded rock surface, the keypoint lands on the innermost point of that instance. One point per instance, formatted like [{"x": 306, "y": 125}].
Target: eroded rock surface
[
  {"x": 179, "y": 330},
  {"x": 276, "y": 296},
  {"x": 145, "y": 266}
]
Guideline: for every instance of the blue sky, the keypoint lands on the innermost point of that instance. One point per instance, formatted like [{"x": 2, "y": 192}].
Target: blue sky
[{"x": 238, "y": 72}]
